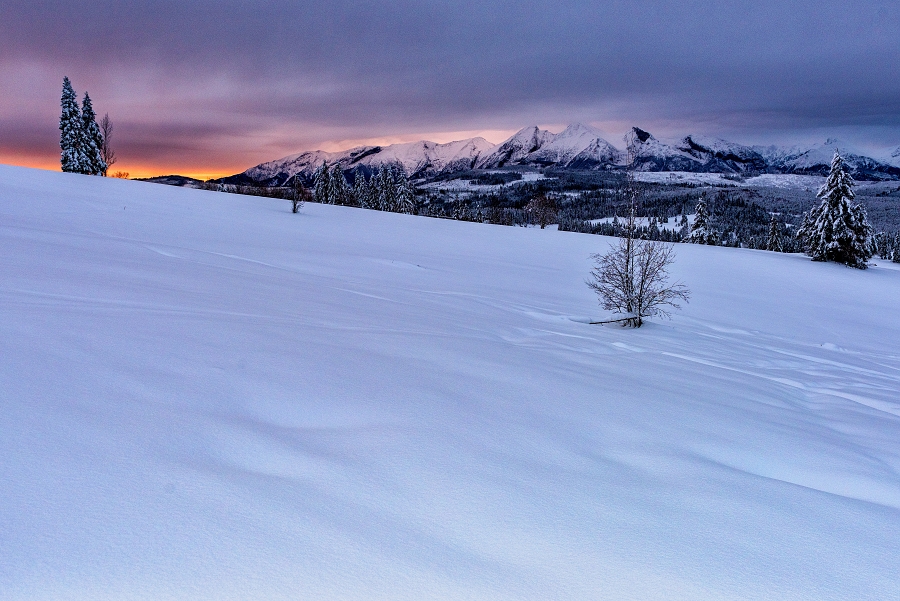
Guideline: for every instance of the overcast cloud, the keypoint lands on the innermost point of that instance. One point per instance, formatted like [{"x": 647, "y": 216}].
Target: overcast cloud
[{"x": 219, "y": 86}]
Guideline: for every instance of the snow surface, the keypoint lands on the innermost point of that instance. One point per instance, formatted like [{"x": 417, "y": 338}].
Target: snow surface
[
  {"x": 766, "y": 180},
  {"x": 205, "y": 396}
]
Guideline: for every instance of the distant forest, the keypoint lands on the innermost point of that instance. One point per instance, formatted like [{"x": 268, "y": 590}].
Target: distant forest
[{"x": 596, "y": 202}]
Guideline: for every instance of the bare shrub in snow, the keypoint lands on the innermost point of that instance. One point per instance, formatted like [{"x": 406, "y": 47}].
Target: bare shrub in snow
[
  {"x": 633, "y": 279},
  {"x": 299, "y": 195}
]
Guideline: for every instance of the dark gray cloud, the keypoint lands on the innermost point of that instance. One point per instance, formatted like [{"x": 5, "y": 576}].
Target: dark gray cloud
[{"x": 236, "y": 82}]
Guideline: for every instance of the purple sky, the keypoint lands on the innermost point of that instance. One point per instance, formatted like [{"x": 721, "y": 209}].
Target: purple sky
[{"x": 211, "y": 88}]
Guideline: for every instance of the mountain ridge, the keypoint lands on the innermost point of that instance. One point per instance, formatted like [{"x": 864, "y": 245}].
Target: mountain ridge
[{"x": 578, "y": 146}]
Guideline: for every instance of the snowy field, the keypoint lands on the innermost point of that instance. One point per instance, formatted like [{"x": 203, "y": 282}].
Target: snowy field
[
  {"x": 205, "y": 396},
  {"x": 466, "y": 185},
  {"x": 766, "y": 180}
]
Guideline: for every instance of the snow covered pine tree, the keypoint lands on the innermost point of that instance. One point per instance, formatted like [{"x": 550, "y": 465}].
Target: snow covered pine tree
[
  {"x": 774, "y": 241},
  {"x": 72, "y": 156},
  {"x": 321, "y": 184},
  {"x": 700, "y": 231},
  {"x": 92, "y": 140},
  {"x": 836, "y": 230}
]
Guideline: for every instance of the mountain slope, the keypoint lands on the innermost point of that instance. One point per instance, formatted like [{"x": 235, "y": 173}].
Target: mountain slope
[
  {"x": 416, "y": 158},
  {"x": 816, "y": 160},
  {"x": 578, "y": 146},
  {"x": 208, "y": 397}
]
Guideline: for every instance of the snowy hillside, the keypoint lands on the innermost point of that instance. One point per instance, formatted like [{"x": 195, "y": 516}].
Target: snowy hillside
[{"x": 205, "y": 396}]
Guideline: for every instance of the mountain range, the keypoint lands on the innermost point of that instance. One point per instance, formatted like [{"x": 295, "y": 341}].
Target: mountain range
[{"x": 578, "y": 146}]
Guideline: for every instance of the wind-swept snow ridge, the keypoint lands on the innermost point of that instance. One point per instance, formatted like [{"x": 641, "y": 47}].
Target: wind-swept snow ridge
[{"x": 205, "y": 396}]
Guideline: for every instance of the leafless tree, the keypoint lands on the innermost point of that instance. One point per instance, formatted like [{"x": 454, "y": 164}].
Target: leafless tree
[
  {"x": 106, "y": 151},
  {"x": 542, "y": 210},
  {"x": 299, "y": 194},
  {"x": 633, "y": 279}
]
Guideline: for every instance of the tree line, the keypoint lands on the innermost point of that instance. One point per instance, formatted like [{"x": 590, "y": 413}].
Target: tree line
[{"x": 388, "y": 189}]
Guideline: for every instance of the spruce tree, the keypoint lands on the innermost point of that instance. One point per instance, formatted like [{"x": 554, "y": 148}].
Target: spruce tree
[
  {"x": 385, "y": 198},
  {"x": 321, "y": 184},
  {"x": 360, "y": 189},
  {"x": 837, "y": 230},
  {"x": 700, "y": 232},
  {"x": 774, "y": 242},
  {"x": 895, "y": 251},
  {"x": 406, "y": 198},
  {"x": 338, "y": 192},
  {"x": 72, "y": 157},
  {"x": 92, "y": 140}
]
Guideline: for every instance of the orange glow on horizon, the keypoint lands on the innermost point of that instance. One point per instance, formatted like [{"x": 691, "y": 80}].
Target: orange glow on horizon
[{"x": 134, "y": 171}]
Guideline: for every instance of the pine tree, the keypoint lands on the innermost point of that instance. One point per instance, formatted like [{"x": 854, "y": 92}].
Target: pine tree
[
  {"x": 774, "y": 242},
  {"x": 837, "y": 230},
  {"x": 700, "y": 232},
  {"x": 895, "y": 251},
  {"x": 406, "y": 199},
  {"x": 92, "y": 139},
  {"x": 321, "y": 184},
  {"x": 72, "y": 156},
  {"x": 386, "y": 193},
  {"x": 338, "y": 192},
  {"x": 361, "y": 189}
]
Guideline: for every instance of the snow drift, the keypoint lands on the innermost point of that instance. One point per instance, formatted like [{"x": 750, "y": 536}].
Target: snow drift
[{"x": 205, "y": 396}]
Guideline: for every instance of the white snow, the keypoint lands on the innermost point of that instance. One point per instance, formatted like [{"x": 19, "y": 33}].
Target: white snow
[
  {"x": 468, "y": 185},
  {"x": 768, "y": 180},
  {"x": 205, "y": 396}
]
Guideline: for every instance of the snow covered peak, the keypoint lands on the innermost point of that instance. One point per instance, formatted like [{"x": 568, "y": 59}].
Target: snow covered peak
[
  {"x": 578, "y": 143},
  {"x": 516, "y": 148},
  {"x": 577, "y": 146},
  {"x": 416, "y": 159},
  {"x": 894, "y": 157},
  {"x": 721, "y": 155},
  {"x": 580, "y": 146}
]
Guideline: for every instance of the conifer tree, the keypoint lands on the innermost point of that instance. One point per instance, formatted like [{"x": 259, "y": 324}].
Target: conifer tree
[
  {"x": 338, "y": 192},
  {"x": 406, "y": 199},
  {"x": 774, "y": 242},
  {"x": 837, "y": 230},
  {"x": 72, "y": 157},
  {"x": 701, "y": 233},
  {"x": 92, "y": 140},
  {"x": 321, "y": 184},
  {"x": 385, "y": 188},
  {"x": 361, "y": 189},
  {"x": 895, "y": 251}
]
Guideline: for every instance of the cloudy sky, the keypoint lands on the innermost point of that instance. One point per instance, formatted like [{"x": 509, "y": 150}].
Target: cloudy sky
[{"x": 211, "y": 88}]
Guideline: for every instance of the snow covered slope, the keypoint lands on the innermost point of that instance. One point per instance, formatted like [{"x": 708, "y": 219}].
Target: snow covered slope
[
  {"x": 416, "y": 158},
  {"x": 205, "y": 396},
  {"x": 578, "y": 146},
  {"x": 893, "y": 157},
  {"x": 649, "y": 154},
  {"x": 816, "y": 160},
  {"x": 722, "y": 156}
]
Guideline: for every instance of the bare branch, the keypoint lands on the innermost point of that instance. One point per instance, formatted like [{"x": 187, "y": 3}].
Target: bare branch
[
  {"x": 633, "y": 279},
  {"x": 106, "y": 151}
]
